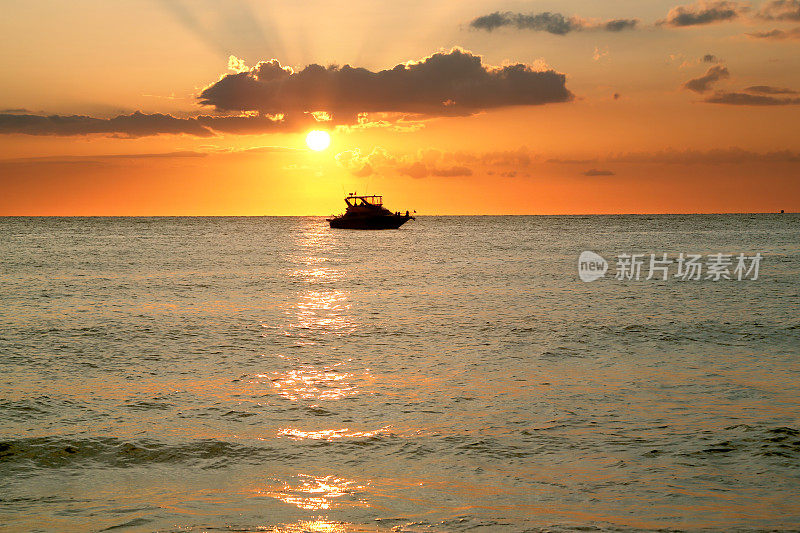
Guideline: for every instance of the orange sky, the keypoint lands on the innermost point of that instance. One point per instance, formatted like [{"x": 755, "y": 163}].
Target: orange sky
[{"x": 623, "y": 131}]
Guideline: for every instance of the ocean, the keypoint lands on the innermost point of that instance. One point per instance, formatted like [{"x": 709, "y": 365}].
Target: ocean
[{"x": 272, "y": 374}]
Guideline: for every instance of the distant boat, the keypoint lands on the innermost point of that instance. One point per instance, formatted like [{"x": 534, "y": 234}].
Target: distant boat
[{"x": 367, "y": 212}]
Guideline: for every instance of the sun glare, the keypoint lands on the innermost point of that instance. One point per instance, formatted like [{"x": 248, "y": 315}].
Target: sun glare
[{"x": 318, "y": 140}]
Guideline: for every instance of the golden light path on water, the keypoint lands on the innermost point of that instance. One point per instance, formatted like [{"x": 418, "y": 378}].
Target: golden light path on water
[{"x": 316, "y": 312}]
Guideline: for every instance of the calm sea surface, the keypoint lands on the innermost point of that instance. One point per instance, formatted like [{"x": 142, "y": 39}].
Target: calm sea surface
[{"x": 272, "y": 374}]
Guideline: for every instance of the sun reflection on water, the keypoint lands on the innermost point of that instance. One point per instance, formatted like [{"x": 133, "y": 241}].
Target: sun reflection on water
[
  {"x": 314, "y": 493},
  {"x": 312, "y": 526},
  {"x": 329, "y": 434},
  {"x": 319, "y": 312},
  {"x": 316, "y": 275},
  {"x": 307, "y": 382}
]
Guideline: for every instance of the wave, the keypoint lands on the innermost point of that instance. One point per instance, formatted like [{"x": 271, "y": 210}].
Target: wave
[{"x": 54, "y": 452}]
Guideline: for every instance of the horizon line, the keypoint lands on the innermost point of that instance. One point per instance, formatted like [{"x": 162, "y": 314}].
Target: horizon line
[{"x": 424, "y": 215}]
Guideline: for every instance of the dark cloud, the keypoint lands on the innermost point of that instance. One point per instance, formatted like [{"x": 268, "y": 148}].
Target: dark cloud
[
  {"x": 734, "y": 98},
  {"x": 703, "y": 13},
  {"x": 133, "y": 125},
  {"x": 620, "y": 24},
  {"x": 767, "y": 89},
  {"x": 496, "y": 20},
  {"x": 776, "y": 35},
  {"x": 554, "y": 23},
  {"x": 781, "y": 10},
  {"x": 710, "y": 58},
  {"x": 142, "y": 125},
  {"x": 704, "y": 82},
  {"x": 597, "y": 172},
  {"x": 445, "y": 83}
]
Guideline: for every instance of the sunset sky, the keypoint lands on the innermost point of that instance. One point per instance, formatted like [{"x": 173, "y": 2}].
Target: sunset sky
[{"x": 201, "y": 107}]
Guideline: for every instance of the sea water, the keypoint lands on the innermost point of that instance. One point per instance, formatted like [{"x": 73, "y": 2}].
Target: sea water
[{"x": 272, "y": 374}]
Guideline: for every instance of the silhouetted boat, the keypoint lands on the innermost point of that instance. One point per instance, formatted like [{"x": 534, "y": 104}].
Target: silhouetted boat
[{"x": 367, "y": 212}]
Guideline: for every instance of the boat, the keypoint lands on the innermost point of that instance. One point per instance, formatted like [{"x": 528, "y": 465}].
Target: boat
[{"x": 367, "y": 212}]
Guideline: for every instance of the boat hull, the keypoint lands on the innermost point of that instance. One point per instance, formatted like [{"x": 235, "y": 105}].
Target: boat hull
[{"x": 369, "y": 222}]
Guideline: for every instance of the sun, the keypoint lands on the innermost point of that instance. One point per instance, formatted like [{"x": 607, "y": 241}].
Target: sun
[{"x": 318, "y": 140}]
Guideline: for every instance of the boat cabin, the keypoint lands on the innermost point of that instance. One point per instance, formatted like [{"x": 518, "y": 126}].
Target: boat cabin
[{"x": 353, "y": 201}]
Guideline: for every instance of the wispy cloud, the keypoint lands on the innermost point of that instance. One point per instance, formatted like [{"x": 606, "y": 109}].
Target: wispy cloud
[
  {"x": 134, "y": 125},
  {"x": 747, "y": 99},
  {"x": 704, "y": 13},
  {"x": 140, "y": 124},
  {"x": 420, "y": 165},
  {"x": 554, "y": 23},
  {"x": 768, "y": 89},
  {"x": 598, "y": 172},
  {"x": 781, "y": 10},
  {"x": 776, "y": 35},
  {"x": 690, "y": 156}
]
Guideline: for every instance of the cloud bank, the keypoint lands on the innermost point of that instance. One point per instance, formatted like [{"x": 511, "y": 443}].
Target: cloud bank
[
  {"x": 522, "y": 162},
  {"x": 272, "y": 98}
]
